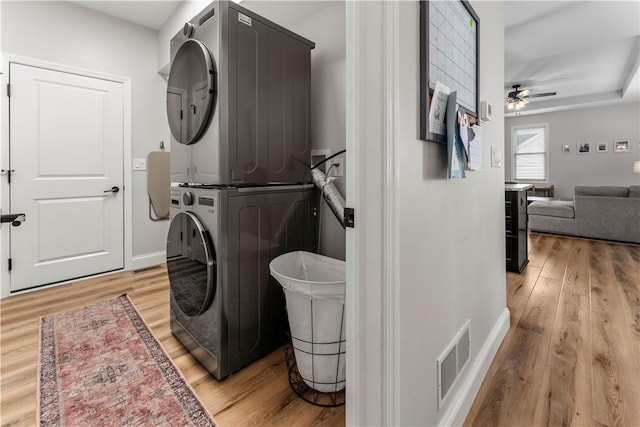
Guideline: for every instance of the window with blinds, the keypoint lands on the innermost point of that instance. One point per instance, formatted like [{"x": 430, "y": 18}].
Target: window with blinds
[{"x": 530, "y": 153}]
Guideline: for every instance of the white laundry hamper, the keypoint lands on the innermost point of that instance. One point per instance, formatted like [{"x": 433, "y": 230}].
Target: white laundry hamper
[{"x": 314, "y": 288}]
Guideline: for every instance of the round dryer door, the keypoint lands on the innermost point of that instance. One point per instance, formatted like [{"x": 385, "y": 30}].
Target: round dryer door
[
  {"x": 191, "y": 264},
  {"x": 191, "y": 92}
]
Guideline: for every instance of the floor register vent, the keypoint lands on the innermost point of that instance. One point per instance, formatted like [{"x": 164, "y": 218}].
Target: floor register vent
[{"x": 451, "y": 362}]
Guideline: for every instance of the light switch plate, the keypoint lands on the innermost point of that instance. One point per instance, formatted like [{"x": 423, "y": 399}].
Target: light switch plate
[
  {"x": 485, "y": 111},
  {"x": 139, "y": 164},
  {"x": 496, "y": 157}
]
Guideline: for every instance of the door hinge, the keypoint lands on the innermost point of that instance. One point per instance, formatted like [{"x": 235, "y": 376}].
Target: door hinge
[
  {"x": 9, "y": 90},
  {"x": 8, "y": 172},
  {"x": 10, "y": 264}
]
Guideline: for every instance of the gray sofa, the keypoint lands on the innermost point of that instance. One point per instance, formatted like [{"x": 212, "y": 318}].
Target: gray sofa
[{"x": 610, "y": 213}]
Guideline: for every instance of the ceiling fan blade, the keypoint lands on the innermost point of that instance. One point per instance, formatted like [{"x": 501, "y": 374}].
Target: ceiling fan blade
[{"x": 540, "y": 95}]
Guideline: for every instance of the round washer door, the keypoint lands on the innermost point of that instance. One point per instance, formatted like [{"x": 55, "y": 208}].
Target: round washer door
[
  {"x": 191, "y": 92},
  {"x": 191, "y": 264}
]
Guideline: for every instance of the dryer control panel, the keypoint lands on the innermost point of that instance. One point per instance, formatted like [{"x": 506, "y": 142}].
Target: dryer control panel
[
  {"x": 187, "y": 198},
  {"x": 205, "y": 201},
  {"x": 175, "y": 199}
]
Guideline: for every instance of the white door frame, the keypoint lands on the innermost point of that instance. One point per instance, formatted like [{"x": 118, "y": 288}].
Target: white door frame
[
  {"x": 372, "y": 246},
  {"x": 7, "y": 58}
]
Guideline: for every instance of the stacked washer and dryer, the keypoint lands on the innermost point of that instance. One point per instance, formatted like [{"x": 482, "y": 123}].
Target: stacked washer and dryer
[{"x": 238, "y": 104}]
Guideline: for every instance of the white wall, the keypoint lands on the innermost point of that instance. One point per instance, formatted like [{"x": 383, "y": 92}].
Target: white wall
[
  {"x": 322, "y": 22},
  {"x": 452, "y": 251},
  {"x": 599, "y": 124},
  {"x": 4, "y": 188},
  {"x": 68, "y": 34},
  {"x": 183, "y": 14}
]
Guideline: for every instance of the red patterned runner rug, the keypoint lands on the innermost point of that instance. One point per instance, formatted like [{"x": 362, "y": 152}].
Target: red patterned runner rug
[{"x": 101, "y": 366}]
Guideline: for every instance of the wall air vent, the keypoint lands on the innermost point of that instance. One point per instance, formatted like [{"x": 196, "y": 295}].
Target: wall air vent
[{"x": 451, "y": 362}]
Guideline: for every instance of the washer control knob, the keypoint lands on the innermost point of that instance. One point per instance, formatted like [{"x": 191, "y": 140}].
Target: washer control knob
[
  {"x": 188, "y": 29},
  {"x": 187, "y": 198}
]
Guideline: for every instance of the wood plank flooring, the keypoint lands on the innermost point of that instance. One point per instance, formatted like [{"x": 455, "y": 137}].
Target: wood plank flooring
[
  {"x": 257, "y": 395},
  {"x": 571, "y": 357},
  {"x": 572, "y": 354}
]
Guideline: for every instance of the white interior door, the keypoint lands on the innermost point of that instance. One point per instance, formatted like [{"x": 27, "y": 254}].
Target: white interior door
[{"x": 66, "y": 150}]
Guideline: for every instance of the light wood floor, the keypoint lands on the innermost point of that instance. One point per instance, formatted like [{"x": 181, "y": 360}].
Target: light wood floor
[
  {"x": 257, "y": 395},
  {"x": 572, "y": 354},
  {"x": 571, "y": 357}
]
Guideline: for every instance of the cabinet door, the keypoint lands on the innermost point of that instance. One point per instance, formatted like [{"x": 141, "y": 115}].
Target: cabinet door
[
  {"x": 522, "y": 209},
  {"x": 516, "y": 230},
  {"x": 512, "y": 253}
]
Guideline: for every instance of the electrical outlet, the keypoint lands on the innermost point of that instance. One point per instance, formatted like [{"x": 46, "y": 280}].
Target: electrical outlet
[
  {"x": 319, "y": 155},
  {"x": 139, "y": 164},
  {"x": 338, "y": 167}
]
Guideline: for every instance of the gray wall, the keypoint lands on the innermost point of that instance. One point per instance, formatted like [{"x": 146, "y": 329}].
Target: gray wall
[
  {"x": 328, "y": 105},
  {"x": 65, "y": 33},
  {"x": 599, "y": 124},
  {"x": 452, "y": 253}
]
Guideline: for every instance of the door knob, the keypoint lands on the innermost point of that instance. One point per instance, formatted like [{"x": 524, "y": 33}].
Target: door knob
[
  {"x": 113, "y": 189},
  {"x": 14, "y": 219}
]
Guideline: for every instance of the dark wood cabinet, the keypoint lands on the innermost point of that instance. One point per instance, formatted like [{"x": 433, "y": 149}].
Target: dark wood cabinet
[{"x": 515, "y": 206}]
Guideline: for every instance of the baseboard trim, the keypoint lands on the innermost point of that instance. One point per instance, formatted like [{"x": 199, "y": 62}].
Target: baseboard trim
[
  {"x": 137, "y": 262},
  {"x": 148, "y": 260},
  {"x": 461, "y": 404}
]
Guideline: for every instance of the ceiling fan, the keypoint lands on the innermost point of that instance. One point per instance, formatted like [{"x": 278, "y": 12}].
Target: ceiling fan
[{"x": 517, "y": 98}]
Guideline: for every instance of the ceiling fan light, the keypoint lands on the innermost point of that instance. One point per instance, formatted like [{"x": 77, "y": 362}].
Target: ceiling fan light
[{"x": 510, "y": 106}]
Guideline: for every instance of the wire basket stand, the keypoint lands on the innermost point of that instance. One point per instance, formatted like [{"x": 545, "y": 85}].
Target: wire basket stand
[{"x": 299, "y": 384}]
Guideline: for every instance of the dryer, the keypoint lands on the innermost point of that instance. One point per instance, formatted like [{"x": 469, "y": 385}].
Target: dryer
[
  {"x": 224, "y": 306},
  {"x": 238, "y": 100}
]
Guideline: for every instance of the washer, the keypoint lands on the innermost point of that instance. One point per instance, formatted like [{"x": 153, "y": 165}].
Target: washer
[
  {"x": 225, "y": 308},
  {"x": 238, "y": 100}
]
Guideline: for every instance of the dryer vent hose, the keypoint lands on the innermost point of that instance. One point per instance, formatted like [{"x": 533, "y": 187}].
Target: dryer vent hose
[{"x": 330, "y": 193}]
